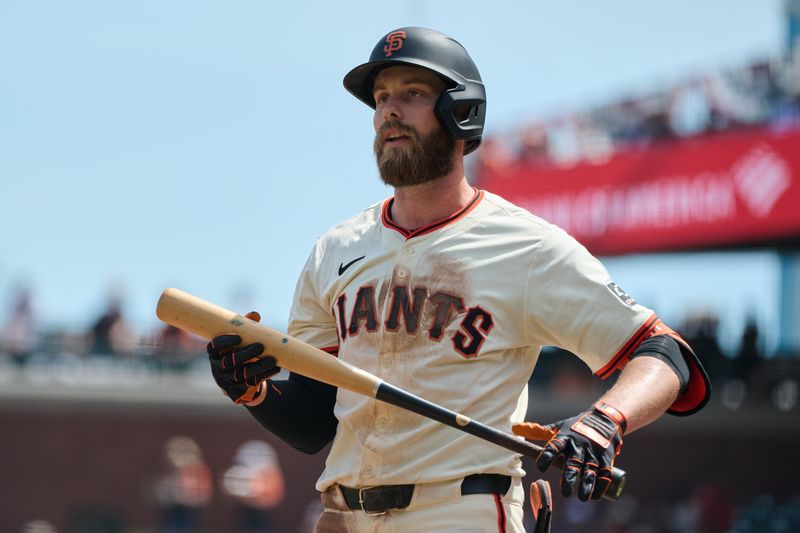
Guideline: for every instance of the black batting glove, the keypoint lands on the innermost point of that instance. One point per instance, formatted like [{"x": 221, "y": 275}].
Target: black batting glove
[
  {"x": 236, "y": 369},
  {"x": 589, "y": 442}
]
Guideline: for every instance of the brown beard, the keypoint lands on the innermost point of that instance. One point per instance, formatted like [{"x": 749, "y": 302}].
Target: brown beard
[{"x": 425, "y": 159}]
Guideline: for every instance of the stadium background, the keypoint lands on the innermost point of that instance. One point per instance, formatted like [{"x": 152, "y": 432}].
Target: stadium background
[{"x": 92, "y": 389}]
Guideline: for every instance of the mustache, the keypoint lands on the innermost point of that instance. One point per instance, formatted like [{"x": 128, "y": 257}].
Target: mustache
[{"x": 397, "y": 126}]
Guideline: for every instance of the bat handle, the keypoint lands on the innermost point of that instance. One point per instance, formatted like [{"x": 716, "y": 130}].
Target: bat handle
[{"x": 396, "y": 396}]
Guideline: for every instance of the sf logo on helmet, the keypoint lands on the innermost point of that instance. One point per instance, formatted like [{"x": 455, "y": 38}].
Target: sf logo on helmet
[{"x": 394, "y": 42}]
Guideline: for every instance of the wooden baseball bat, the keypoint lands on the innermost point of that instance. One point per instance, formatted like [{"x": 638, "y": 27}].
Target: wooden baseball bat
[{"x": 195, "y": 315}]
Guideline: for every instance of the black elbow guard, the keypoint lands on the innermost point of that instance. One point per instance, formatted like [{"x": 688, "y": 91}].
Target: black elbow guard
[{"x": 666, "y": 348}]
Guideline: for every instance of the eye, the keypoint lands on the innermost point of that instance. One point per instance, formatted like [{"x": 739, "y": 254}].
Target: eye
[
  {"x": 380, "y": 98},
  {"x": 414, "y": 93}
]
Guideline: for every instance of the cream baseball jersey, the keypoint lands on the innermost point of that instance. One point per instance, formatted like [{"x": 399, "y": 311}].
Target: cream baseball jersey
[{"x": 455, "y": 312}]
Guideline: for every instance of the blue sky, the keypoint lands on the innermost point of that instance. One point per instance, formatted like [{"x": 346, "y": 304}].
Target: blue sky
[{"x": 206, "y": 145}]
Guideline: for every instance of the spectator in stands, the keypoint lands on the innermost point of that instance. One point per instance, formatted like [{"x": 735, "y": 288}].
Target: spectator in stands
[
  {"x": 563, "y": 144},
  {"x": 752, "y": 93},
  {"x": 788, "y": 110},
  {"x": 177, "y": 349},
  {"x": 765, "y": 89},
  {"x": 625, "y": 122},
  {"x": 763, "y": 93},
  {"x": 38, "y": 526},
  {"x": 255, "y": 482},
  {"x": 749, "y": 354},
  {"x": 534, "y": 147},
  {"x": 701, "y": 331},
  {"x": 110, "y": 333},
  {"x": 720, "y": 118},
  {"x": 711, "y": 509},
  {"x": 594, "y": 143},
  {"x": 19, "y": 332},
  {"x": 493, "y": 157},
  {"x": 657, "y": 127},
  {"x": 184, "y": 487},
  {"x": 690, "y": 108}
]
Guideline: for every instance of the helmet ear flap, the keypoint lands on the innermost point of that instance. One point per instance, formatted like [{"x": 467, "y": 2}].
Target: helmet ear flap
[{"x": 462, "y": 112}]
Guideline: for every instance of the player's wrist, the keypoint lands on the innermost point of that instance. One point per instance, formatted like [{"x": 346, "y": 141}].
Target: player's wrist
[
  {"x": 260, "y": 395},
  {"x": 613, "y": 414}
]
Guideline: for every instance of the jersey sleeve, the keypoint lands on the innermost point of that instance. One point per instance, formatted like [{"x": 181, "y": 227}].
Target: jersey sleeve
[
  {"x": 311, "y": 318},
  {"x": 573, "y": 303}
]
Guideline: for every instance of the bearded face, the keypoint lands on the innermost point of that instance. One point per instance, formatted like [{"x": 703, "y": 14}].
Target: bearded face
[{"x": 422, "y": 159}]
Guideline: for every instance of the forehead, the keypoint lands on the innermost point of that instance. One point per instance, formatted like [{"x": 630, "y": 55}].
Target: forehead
[{"x": 406, "y": 75}]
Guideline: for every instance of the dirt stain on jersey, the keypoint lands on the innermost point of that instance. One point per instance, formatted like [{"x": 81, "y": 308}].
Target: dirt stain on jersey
[{"x": 406, "y": 358}]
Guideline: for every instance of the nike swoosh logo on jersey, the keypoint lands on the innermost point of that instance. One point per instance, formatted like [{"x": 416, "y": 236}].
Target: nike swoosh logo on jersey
[{"x": 343, "y": 267}]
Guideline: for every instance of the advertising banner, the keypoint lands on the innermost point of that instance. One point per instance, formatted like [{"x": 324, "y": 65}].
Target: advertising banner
[{"x": 729, "y": 188}]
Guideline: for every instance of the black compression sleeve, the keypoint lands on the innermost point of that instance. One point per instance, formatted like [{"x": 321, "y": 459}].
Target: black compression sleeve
[
  {"x": 666, "y": 348},
  {"x": 299, "y": 411}
]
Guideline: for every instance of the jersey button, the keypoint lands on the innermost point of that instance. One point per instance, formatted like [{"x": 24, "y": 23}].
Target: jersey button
[
  {"x": 369, "y": 472},
  {"x": 408, "y": 251},
  {"x": 383, "y": 422},
  {"x": 402, "y": 274}
]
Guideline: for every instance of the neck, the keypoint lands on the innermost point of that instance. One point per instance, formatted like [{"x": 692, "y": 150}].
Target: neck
[{"x": 419, "y": 205}]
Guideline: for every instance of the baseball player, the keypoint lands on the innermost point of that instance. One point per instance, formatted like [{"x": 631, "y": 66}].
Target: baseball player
[{"x": 449, "y": 292}]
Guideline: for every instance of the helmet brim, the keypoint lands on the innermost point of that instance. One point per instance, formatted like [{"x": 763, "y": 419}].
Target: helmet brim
[{"x": 359, "y": 81}]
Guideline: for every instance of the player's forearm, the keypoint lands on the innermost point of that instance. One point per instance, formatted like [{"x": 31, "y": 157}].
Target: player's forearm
[
  {"x": 299, "y": 411},
  {"x": 645, "y": 389}
]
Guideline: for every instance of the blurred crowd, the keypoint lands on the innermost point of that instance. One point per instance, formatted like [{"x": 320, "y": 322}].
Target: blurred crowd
[
  {"x": 110, "y": 336},
  {"x": 185, "y": 487},
  {"x": 763, "y": 93}
]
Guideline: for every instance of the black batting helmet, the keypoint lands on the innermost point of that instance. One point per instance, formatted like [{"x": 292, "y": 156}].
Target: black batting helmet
[{"x": 461, "y": 108}]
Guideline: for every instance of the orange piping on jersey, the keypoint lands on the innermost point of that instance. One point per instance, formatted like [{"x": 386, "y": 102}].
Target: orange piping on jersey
[
  {"x": 458, "y": 215},
  {"x": 627, "y": 350},
  {"x": 333, "y": 350}
]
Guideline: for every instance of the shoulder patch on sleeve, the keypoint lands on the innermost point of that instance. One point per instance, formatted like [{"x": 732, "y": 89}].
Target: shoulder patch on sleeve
[{"x": 622, "y": 295}]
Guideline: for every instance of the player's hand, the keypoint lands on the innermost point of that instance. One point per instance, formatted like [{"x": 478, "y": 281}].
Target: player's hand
[
  {"x": 237, "y": 369},
  {"x": 589, "y": 442}
]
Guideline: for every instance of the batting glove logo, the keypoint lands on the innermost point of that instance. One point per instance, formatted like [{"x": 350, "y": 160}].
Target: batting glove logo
[{"x": 394, "y": 42}]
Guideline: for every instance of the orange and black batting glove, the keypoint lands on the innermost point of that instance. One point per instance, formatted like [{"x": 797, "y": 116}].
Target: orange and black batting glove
[
  {"x": 589, "y": 442},
  {"x": 238, "y": 370}
]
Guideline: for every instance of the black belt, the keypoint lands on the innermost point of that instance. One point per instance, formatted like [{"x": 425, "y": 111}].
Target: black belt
[{"x": 377, "y": 500}]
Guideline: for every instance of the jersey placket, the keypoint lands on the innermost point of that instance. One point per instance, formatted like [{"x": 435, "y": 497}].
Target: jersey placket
[{"x": 381, "y": 437}]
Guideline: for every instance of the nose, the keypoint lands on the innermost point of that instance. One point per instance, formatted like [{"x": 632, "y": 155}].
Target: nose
[{"x": 390, "y": 109}]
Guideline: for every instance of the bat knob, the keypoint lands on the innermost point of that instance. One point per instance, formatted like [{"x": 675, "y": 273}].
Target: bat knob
[{"x": 617, "y": 485}]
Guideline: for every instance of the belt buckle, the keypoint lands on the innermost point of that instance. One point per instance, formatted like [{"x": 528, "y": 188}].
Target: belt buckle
[{"x": 361, "y": 503}]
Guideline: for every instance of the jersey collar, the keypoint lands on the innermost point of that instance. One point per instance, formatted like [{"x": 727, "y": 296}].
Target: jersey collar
[{"x": 386, "y": 217}]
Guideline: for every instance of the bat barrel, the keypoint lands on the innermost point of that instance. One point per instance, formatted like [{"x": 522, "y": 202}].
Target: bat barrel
[{"x": 195, "y": 315}]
